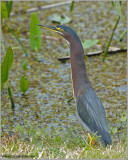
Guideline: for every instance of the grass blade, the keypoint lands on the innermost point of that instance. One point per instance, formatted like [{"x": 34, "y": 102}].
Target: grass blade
[
  {"x": 18, "y": 40},
  {"x": 10, "y": 96},
  {"x": 106, "y": 51}
]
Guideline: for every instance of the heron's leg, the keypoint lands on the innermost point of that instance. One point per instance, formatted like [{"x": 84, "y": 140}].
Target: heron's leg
[{"x": 91, "y": 140}]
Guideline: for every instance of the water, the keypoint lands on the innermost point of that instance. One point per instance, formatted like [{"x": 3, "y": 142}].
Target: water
[{"x": 45, "y": 104}]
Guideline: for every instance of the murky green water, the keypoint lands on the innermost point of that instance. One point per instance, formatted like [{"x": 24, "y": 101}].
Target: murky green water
[{"x": 45, "y": 104}]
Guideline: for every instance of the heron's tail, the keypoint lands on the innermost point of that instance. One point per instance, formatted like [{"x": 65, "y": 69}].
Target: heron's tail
[{"x": 106, "y": 141}]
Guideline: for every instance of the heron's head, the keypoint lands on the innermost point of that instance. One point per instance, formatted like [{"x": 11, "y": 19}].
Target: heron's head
[{"x": 67, "y": 32}]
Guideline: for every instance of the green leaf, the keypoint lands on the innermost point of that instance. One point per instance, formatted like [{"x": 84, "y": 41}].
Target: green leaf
[
  {"x": 24, "y": 83},
  {"x": 112, "y": 3},
  {"x": 61, "y": 19},
  {"x": 65, "y": 20},
  {"x": 6, "y": 65},
  {"x": 4, "y": 11},
  {"x": 89, "y": 43},
  {"x": 20, "y": 129},
  {"x": 72, "y": 5},
  {"x": 38, "y": 133},
  {"x": 9, "y": 6},
  {"x": 114, "y": 130},
  {"x": 35, "y": 32},
  {"x": 25, "y": 65},
  {"x": 124, "y": 117},
  {"x": 56, "y": 18}
]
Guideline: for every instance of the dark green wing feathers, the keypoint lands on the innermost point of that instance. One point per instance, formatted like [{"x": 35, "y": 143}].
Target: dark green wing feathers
[{"x": 91, "y": 112}]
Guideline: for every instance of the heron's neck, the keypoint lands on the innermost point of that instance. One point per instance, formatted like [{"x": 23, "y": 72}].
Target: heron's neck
[{"x": 79, "y": 75}]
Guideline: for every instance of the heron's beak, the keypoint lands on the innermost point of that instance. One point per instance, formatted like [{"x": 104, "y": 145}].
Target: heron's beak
[{"x": 55, "y": 29}]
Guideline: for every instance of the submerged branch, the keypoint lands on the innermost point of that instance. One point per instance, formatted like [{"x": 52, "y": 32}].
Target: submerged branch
[
  {"x": 111, "y": 50},
  {"x": 46, "y": 7}
]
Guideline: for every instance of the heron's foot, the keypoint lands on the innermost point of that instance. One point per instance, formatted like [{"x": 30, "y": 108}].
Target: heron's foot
[{"x": 91, "y": 140}]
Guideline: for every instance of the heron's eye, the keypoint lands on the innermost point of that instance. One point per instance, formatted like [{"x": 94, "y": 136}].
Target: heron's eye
[{"x": 60, "y": 29}]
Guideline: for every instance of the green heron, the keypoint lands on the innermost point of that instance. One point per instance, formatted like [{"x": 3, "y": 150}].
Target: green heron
[{"x": 90, "y": 111}]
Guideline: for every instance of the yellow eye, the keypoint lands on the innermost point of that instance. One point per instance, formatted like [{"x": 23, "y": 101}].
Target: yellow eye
[{"x": 60, "y": 29}]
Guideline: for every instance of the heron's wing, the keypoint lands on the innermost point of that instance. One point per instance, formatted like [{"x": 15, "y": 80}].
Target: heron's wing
[{"x": 91, "y": 111}]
